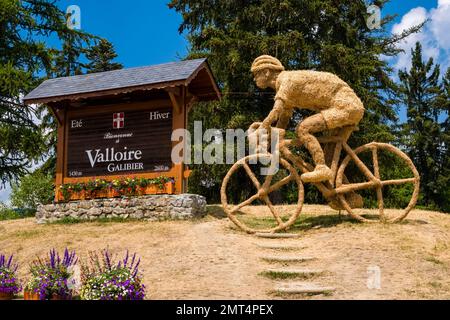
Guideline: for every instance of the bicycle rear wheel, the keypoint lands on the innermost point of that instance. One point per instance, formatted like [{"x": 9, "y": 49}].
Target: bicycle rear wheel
[{"x": 394, "y": 177}]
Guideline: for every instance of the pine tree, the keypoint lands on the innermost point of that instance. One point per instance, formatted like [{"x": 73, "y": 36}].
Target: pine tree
[
  {"x": 444, "y": 178},
  {"x": 101, "y": 57},
  {"x": 324, "y": 35},
  {"x": 423, "y": 95},
  {"x": 24, "y": 60},
  {"x": 20, "y": 58},
  {"x": 68, "y": 62}
]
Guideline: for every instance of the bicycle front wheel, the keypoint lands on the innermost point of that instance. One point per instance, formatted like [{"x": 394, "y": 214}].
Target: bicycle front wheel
[{"x": 252, "y": 204}]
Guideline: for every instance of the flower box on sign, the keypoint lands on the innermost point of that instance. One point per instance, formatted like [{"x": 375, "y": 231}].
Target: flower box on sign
[
  {"x": 6, "y": 296},
  {"x": 111, "y": 192},
  {"x": 167, "y": 188},
  {"x": 60, "y": 297},
  {"x": 28, "y": 295},
  {"x": 81, "y": 195},
  {"x": 108, "y": 193}
]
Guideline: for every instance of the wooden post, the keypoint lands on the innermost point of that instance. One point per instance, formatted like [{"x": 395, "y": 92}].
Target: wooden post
[
  {"x": 60, "y": 153},
  {"x": 179, "y": 123}
]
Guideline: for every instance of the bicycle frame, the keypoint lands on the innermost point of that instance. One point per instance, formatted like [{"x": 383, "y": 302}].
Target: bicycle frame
[{"x": 328, "y": 188}]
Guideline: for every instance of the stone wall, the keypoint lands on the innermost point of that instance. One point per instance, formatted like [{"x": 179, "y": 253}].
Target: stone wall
[{"x": 151, "y": 208}]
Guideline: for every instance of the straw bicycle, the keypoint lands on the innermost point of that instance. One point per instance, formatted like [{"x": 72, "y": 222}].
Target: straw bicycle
[{"x": 364, "y": 159}]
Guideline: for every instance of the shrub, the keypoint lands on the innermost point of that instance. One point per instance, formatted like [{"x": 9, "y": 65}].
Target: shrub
[
  {"x": 7, "y": 213},
  {"x": 32, "y": 190},
  {"x": 9, "y": 283},
  {"x": 104, "y": 279},
  {"x": 51, "y": 276}
]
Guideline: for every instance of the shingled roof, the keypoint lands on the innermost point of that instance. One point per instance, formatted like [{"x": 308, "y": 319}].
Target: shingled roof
[{"x": 124, "y": 80}]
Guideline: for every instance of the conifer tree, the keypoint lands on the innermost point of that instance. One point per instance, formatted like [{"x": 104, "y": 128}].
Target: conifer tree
[
  {"x": 101, "y": 57},
  {"x": 324, "y": 35},
  {"x": 25, "y": 60},
  {"x": 422, "y": 92},
  {"x": 444, "y": 178}
]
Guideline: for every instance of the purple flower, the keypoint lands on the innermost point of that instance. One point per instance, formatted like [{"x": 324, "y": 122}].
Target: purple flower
[
  {"x": 114, "y": 281},
  {"x": 8, "y": 280},
  {"x": 49, "y": 276}
]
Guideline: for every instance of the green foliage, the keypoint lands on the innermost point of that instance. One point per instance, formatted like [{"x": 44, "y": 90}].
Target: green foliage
[
  {"x": 7, "y": 213},
  {"x": 71, "y": 221},
  {"x": 25, "y": 60},
  {"x": 32, "y": 190},
  {"x": 101, "y": 57},
  {"x": 325, "y": 35},
  {"x": 20, "y": 141},
  {"x": 424, "y": 136}
]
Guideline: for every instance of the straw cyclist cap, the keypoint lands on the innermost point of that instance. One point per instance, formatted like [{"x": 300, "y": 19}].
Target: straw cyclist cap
[{"x": 266, "y": 62}]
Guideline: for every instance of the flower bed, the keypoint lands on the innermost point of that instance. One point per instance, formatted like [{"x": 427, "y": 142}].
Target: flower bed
[
  {"x": 104, "y": 279},
  {"x": 53, "y": 278},
  {"x": 100, "y": 188},
  {"x": 9, "y": 284},
  {"x": 50, "y": 277}
]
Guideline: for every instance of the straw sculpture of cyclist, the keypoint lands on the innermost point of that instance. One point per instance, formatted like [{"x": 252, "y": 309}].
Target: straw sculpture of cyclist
[{"x": 335, "y": 103}]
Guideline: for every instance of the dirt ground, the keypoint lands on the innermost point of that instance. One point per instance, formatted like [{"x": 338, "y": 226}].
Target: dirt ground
[{"x": 211, "y": 259}]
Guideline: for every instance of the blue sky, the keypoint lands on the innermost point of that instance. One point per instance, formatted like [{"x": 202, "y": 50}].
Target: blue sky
[
  {"x": 146, "y": 32},
  {"x": 403, "y": 6},
  {"x": 143, "y": 32}
]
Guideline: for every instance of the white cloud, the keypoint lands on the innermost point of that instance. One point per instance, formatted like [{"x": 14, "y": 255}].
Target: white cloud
[
  {"x": 434, "y": 37},
  {"x": 4, "y": 194},
  {"x": 440, "y": 23},
  {"x": 412, "y": 18}
]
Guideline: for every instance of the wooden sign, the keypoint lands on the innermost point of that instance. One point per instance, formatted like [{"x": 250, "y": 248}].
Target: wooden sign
[
  {"x": 119, "y": 142},
  {"x": 118, "y": 124}
]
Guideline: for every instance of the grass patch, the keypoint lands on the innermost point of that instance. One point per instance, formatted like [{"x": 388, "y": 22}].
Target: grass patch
[
  {"x": 286, "y": 295},
  {"x": 279, "y": 275},
  {"x": 436, "y": 285},
  {"x": 303, "y": 223},
  {"x": 285, "y": 275},
  {"x": 28, "y": 234},
  {"x": 434, "y": 260},
  {"x": 283, "y": 249},
  {"x": 216, "y": 211},
  {"x": 100, "y": 221},
  {"x": 440, "y": 246},
  {"x": 69, "y": 221}
]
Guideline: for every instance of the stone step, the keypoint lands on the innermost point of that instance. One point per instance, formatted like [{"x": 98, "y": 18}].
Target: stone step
[
  {"x": 281, "y": 247},
  {"x": 277, "y": 235},
  {"x": 302, "y": 288},
  {"x": 287, "y": 258},
  {"x": 291, "y": 272}
]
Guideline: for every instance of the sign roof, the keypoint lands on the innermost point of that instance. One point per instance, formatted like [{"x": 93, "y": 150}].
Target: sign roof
[{"x": 124, "y": 80}]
